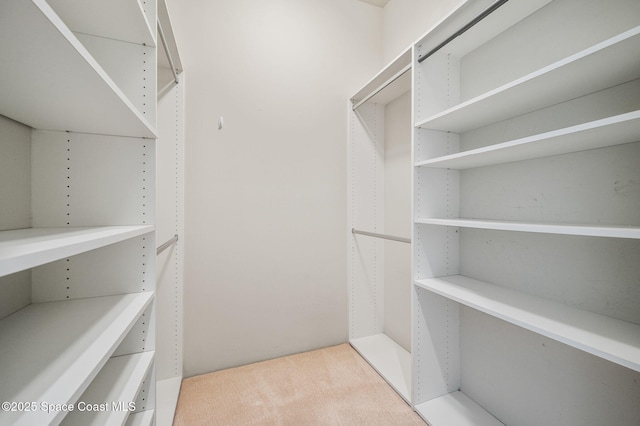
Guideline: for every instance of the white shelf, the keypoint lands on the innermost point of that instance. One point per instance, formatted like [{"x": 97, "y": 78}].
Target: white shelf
[
  {"x": 167, "y": 394},
  {"x": 26, "y": 248},
  {"x": 544, "y": 228},
  {"x": 388, "y": 84},
  {"x": 117, "y": 384},
  {"x": 616, "y": 130},
  {"x": 457, "y": 409},
  {"x": 50, "y": 352},
  {"x": 609, "y": 338},
  {"x": 389, "y": 359},
  {"x": 143, "y": 418},
  {"x": 56, "y": 84},
  {"x": 598, "y": 67},
  {"x": 489, "y": 27},
  {"x": 116, "y": 19}
]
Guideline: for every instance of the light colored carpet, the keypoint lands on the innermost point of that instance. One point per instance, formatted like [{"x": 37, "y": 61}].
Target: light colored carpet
[{"x": 331, "y": 386}]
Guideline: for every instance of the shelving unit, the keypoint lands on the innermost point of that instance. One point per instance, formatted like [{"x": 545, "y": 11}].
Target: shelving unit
[
  {"x": 112, "y": 391},
  {"x": 522, "y": 280},
  {"x": 77, "y": 252},
  {"x": 67, "y": 344},
  {"x": 76, "y": 93},
  {"x": 21, "y": 249},
  {"x": 378, "y": 300}
]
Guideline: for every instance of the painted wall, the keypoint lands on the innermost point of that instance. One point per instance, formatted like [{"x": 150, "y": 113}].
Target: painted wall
[{"x": 265, "y": 268}]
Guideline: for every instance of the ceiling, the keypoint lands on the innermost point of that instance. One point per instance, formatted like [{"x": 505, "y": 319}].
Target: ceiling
[{"x": 380, "y": 3}]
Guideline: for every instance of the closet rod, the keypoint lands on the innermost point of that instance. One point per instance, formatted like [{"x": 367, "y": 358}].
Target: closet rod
[
  {"x": 464, "y": 29},
  {"x": 382, "y": 86},
  {"x": 383, "y": 236},
  {"x": 166, "y": 50},
  {"x": 167, "y": 244}
]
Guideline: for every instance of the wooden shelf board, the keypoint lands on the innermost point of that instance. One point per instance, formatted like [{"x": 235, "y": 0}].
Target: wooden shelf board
[
  {"x": 455, "y": 409},
  {"x": 21, "y": 249},
  {"x": 610, "y": 131},
  {"x": 117, "y": 384},
  {"x": 389, "y": 359},
  {"x": 50, "y": 352},
  {"x": 117, "y": 19},
  {"x": 56, "y": 84},
  {"x": 544, "y": 228},
  {"x": 142, "y": 418},
  {"x": 584, "y": 72},
  {"x": 609, "y": 338}
]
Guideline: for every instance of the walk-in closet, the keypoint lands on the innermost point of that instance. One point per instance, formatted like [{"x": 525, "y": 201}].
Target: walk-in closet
[{"x": 320, "y": 212}]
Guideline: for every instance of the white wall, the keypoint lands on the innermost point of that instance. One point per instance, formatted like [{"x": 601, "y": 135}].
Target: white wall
[
  {"x": 265, "y": 269},
  {"x": 404, "y": 21}
]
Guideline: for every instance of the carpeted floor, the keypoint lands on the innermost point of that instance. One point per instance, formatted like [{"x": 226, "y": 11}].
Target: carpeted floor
[{"x": 331, "y": 386}]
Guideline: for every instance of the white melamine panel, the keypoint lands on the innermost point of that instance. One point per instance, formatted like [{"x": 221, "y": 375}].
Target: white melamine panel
[
  {"x": 15, "y": 174},
  {"x": 90, "y": 180},
  {"x": 388, "y": 358},
  {"x": 132, "y": 69},
  {"x": 170, "y": 222},
  {"x": 94, "y": 273},
  {"x": 167, "y": 393},
  {"x": 498, "y": 21},
  {"x": 142, "y": 336},
  {"x": 594, "y": 187},
  {"x": 455, "y": 408},
  {"x": 366, "y": 197},
  {"x": 609, "y": 338},
  {"x": 56, "y": 84},
  {"x": 620, "y": 129},
  {"x": 15, "y": 292},
  {"x": 143, "y": 418},
  {"x": 119, "y": 20},
  {"x": 391, "y": 72},
  {"x": 112, "y": 391},
  {"x": 146, "y": 399},
  {"x": 547, "y": 228},
  {"x": 526, "y": 379},
  {"x": 26, "y": 248},
  {"x": 524, "y": 48},
  {"x": 397, "y": 219},
  {"x": 584, "y": 72},
  {"x": 436, "y": 346},
  {"x": 594, "y": 274},
  {"x": 50, "y": 352}
]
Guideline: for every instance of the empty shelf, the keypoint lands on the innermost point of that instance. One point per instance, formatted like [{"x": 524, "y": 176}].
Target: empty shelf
[
  {"x": 117, "y": 19},
  {"x": 585, "y": 72},
  {"x": 56, "y": 84},
  {"x": 616, "y": 130},
  {"x": 113, "y": 389},
  {"x": 544, "y": 228},
  {"x": 455, "y": 409},
  {"x": 50, "y": 352},
  {"x": 26, "y": 248},
  {"x": 389, "y": 359},
  {"x": 609, "y": 338}
]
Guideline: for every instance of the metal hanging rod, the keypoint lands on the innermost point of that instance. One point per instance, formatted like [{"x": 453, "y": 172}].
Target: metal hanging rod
[
  {"x": 383, "y": 236},
  {"x": 382, "y": 86},
  {"x": 167, "y": 244},
  {"x": 464, "y": 29},
  {"x": 166, "y": 50}
]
